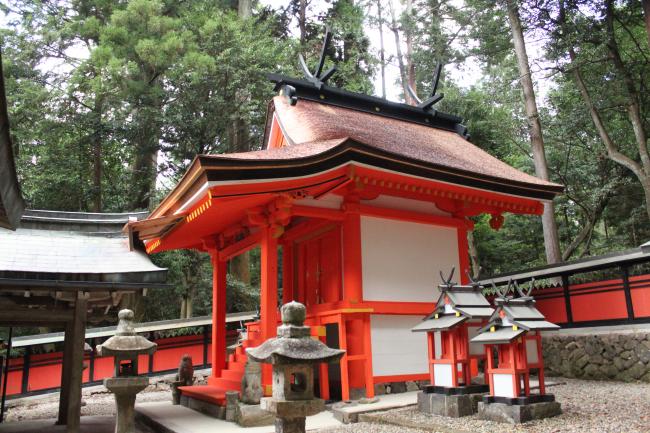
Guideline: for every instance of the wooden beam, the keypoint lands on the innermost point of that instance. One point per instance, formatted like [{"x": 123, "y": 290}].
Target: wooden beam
[
  {"x": 317, "y": 212},
  {"x": 240, "y": 247},
  {"x": 17, "y": 316},
  {"x": 411, "y": 216}
]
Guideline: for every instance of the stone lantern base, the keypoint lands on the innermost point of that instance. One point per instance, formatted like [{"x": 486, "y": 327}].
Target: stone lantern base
[
  {"x": 290, "y": 415},
  {"x": 125, "y": 390}
]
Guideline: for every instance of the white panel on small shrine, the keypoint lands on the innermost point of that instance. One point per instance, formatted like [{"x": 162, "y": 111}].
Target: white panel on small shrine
[
  {"x": 437, "y": 345},
  {"x": 474, "y": 348},
  {"x": 503, "y": 386},
  {"x": 401, "y": 260},
  {"x": 442, "y": 375},
  {"x": 395, "y": 349},
  {"x": 531, "y": 351}
]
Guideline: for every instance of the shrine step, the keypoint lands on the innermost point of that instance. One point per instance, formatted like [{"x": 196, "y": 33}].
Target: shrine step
[
  {"x": 224, "y": 384},
  {"x": 205, "y": 393},
  {"x": 234, "y": 375}
]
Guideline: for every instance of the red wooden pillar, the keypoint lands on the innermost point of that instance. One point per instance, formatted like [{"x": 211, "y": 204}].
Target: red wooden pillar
[
  {"x": 288, "y": 294},
  {"x": 268, "y": 295},
  {"x": 352, "y": 277},
  {"x": 219, "y": 271},
  {"x": 463, "y": 254}
]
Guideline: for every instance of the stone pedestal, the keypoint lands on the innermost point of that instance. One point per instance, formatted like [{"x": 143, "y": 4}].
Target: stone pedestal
[
  {"x": 290, "y": 425},
  {"x": 454, "y": 406},
  {"x": 125, "y": 390},
  {"x": 176, "y": 393},
  {"x": 518, "y": 413}
]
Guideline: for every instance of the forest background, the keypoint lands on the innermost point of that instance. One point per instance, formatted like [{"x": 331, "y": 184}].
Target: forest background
[{"x": 111, "y": 100}]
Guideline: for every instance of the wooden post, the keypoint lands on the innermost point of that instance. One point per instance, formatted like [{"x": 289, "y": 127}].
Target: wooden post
[
  {"x": 268, "y": 296},
  {"x": 367, "y": 331},
  {"x": 78, "y": 337},
  {"x": 24, "y": 387},
  {"x": 625, "y": 271},
  {"x": 206, "y": 343},
  {"x": 567, "y": 298},
  {"x": 219, "y": 286},
  {"x": 352, "y": 260},
  {"x": 66, "y": 370}
]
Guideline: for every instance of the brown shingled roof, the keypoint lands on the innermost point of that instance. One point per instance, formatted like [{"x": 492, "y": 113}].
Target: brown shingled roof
[{"x": 309, "y": 122}]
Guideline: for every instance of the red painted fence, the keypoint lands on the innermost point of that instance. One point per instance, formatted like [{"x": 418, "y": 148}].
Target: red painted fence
[{"x": 41, "y": 372}]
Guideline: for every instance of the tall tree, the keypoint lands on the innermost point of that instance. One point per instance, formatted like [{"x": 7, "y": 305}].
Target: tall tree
[{"x": 551, "y": 239}]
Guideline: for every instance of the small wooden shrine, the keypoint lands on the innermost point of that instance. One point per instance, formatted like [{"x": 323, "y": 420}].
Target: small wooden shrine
[
  {"x": 365, "y": 198},
  {"x": 513, "y": 332},
  {"x": 460, "y": 311}
]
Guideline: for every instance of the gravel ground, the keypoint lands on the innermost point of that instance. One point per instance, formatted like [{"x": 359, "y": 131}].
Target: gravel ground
[
  {"x": 98, "y": 400},
  {"x": 588, "y": 407}
]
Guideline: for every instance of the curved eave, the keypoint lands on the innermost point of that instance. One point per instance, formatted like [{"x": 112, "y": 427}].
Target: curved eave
[{"x": 224, "y": 168}]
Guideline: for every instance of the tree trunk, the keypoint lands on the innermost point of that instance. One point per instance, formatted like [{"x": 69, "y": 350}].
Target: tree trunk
[
  {"x": 410, "y": 65},
  {"x": 382, "y": 54},
  {"x": 240, "y": 267},
  {"x": 244, "y": 9},
  {"x": 646, "y": 13},
  {"x": 302, "y": 22},
  {"x": 96, "y": 144},
  {"x": 549, "y": 225},
  {"x": 473, "y": 255},
  {"x": 398, "y": 49}
]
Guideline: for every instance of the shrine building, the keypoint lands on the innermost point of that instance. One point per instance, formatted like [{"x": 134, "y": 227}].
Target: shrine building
[{"x": 356, "y": 204}]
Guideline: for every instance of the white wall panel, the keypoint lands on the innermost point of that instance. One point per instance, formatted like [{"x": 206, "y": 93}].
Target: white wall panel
[
  {"x": 503, "y": 385},
  {"x": 395, "y": 349},
  {"x": 402, "y": 260}
]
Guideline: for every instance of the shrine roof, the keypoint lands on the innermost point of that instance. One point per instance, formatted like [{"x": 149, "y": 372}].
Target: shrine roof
[
  {"x": 439, "y": 324},
  {"x": 498, "y": 336},
  {"x": 320, "y": 134},
  {"x": 73, "y": 247},
  {"x": 472, "y": 312},
  {"x": 536, "y": 325},
  {"x": 467, "y": 299}
]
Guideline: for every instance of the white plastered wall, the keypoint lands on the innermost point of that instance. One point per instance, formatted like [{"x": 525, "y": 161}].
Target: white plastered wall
[
  {"x": 401, "y": 260},
  {"x": 395, "y": 349}
]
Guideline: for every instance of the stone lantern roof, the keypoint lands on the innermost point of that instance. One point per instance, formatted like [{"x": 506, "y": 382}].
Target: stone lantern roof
[
  {"x": 294, "y": 343},
  {"x": 125, "y": 342}
]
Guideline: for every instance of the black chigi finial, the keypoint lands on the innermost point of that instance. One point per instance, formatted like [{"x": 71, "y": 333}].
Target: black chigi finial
[
  {"x": 434, "y": 98},
  {"x": 447, "y": 282},
  {"x": 318, "y": 78}
]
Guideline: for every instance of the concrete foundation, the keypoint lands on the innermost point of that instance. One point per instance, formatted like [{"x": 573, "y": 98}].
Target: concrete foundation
[
  {"x": 204, "y": 407},
  {"x": 517, "y": 414},
  {"x": 454, "y": 406}
]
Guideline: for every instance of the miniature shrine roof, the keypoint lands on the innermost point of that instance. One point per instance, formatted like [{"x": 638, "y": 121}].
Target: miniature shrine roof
[
  {"x": 439, "y": 324},
  {"x": 498, "y": 336}
]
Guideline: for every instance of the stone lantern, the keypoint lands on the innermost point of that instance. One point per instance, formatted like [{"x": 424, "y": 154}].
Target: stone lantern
[
  {"x": 293, "y": 354},
  {"x": 125, "y": 346}
]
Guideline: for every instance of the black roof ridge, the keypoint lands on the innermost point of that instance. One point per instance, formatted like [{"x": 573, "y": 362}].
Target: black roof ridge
[{"x": 295, "y": 88}]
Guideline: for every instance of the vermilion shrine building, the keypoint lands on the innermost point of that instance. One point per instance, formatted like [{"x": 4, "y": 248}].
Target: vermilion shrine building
[{"x": 365, "y": 200}]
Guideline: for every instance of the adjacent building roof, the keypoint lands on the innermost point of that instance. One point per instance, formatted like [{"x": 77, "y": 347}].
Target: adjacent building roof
[
  {"x": 74, "y": 246},
  {"x": 11, "y": 199}
]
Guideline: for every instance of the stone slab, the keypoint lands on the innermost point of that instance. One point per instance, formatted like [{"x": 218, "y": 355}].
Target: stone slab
[
  {"x": 517, "y": 414},
  {"x": 204, "y": 407},
  {"x": 88, "y": 424},
  {"x": 163, "y": 417},
  {"x": 454, "y": 406},
  {"x": 252, "y": 415},
  {"x": 349, "y": 413}
]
